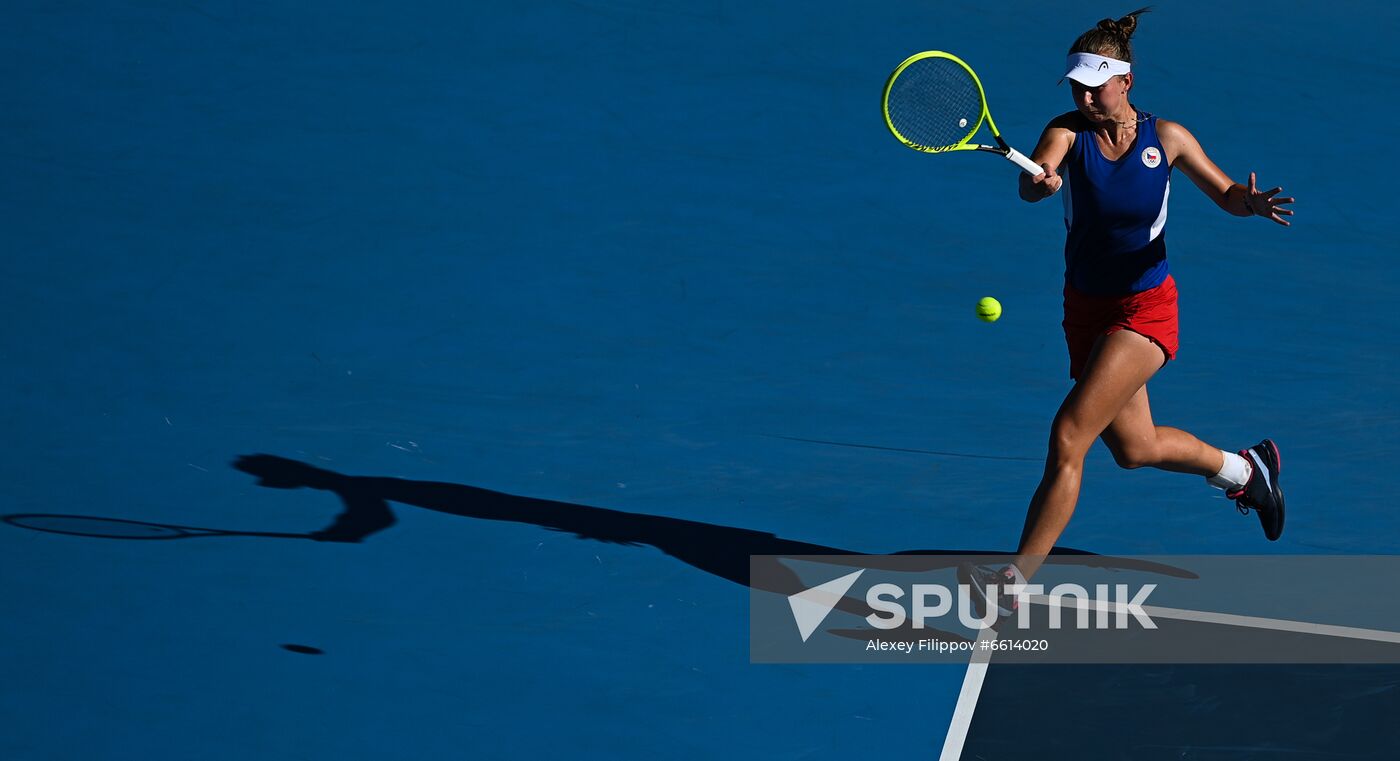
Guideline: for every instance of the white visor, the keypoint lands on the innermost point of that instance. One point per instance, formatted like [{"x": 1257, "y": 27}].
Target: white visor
[{"x": 1093, "y": 70}]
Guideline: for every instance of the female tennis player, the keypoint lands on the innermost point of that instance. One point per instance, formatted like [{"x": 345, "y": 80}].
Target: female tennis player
[{"x": 1111, "y": 164}]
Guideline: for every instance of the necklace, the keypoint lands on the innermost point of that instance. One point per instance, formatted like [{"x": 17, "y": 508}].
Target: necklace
[{"x": 1142, "y": 116}]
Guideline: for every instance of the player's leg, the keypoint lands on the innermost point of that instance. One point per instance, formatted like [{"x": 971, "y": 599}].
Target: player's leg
[
  {"x": 1137, "y": 442},
  {"x": 1119, "y": 366},
  {"x": 1250, "y": 477}
]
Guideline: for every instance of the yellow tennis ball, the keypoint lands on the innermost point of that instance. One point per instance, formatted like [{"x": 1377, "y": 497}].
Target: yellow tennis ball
[{"x": 988, "y": 309}]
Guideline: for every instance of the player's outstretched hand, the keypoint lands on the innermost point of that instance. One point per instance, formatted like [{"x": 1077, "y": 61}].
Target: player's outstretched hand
[{"x": 1266, "y": 203}]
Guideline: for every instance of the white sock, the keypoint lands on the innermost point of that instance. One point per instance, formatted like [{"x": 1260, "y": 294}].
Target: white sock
[{"x": 1233, "y": 475}]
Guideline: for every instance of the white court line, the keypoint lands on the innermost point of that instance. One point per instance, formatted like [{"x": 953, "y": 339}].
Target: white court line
[
  {"x": 967, "y": 697},
  {"x": 1228, "y": 619},
  {"x": 977, "y": 667}
]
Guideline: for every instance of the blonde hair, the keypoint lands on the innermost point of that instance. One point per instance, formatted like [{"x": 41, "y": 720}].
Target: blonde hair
[{"x": 1110, "y": 38}]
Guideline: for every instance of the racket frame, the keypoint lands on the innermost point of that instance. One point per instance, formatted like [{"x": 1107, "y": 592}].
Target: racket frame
[{"x": 1001, "y": 148}]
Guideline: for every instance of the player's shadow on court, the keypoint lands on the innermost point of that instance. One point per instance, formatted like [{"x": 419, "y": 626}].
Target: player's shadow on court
[
  {"x": 720, "y": 550},
  {"x": 723, "y": 551}
]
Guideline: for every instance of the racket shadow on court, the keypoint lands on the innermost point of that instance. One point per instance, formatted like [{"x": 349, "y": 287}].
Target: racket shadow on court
[{"x": 722, "y": 551}]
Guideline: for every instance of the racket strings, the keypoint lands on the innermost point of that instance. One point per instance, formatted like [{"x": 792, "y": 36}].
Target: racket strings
[{"x": 935, "y": 103}]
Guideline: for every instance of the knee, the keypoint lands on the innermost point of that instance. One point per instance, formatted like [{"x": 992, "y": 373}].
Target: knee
[
  {"x": 1068, "y": 442},
  {"x": 1133, "y": 456}
]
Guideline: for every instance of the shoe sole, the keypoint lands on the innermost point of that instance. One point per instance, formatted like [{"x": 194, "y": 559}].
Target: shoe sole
[{"x": 1274, "y": 531}]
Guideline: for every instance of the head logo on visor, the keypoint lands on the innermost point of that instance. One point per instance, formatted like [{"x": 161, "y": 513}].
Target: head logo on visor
[{"x": 1092, "y": 70}]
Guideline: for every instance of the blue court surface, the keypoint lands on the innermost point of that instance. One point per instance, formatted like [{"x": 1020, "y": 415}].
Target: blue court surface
[{"x": 576, "y": 305}]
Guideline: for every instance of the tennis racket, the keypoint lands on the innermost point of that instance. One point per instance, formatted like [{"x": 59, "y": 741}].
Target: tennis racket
[{"x": 934, "y": 103}]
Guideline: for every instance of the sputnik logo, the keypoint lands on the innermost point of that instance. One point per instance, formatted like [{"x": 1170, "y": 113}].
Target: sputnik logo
[{"x": 811, "y": 607}]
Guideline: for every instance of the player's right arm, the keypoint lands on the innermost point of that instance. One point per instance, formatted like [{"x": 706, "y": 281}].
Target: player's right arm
[{"x": 1054, "y": 144}]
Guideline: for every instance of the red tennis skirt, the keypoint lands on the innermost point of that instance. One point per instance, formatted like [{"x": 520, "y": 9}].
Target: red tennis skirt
[{"x": 1151, "y": 313}]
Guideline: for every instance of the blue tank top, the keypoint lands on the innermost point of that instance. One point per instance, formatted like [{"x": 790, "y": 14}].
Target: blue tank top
[{"x": 1115, "y": 214}]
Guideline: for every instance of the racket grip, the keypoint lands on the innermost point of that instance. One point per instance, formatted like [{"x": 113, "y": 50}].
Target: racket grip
[{"x": 1019, "y": 159}]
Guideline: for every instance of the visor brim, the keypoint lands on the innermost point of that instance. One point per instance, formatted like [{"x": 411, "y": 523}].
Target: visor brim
[{"x": 1087, "y": 78}]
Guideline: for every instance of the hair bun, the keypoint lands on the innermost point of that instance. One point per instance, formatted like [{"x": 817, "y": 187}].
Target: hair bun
[
  {"x": 1124, "y": 27},
  {"x": 1111, "y": 38}
]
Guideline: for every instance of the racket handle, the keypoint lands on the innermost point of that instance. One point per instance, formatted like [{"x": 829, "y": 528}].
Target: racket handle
[{"x": 1019, "y": 159}]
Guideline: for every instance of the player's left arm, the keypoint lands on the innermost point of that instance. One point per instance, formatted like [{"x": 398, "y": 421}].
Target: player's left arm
[{"x": 1186, "y": 154}]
